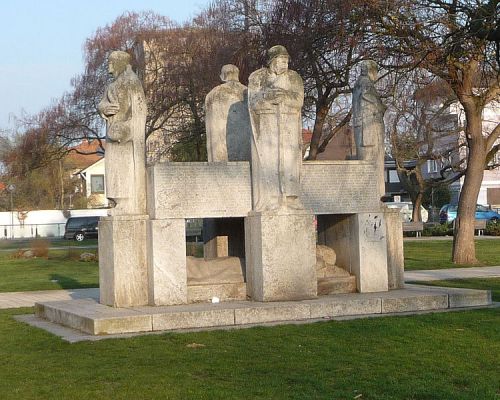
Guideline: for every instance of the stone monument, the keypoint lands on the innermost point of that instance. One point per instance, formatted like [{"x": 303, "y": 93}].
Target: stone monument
[
  {"x": 124, "y": 109},
  {"x": 122, "y": 236},
  {"x": 228, "y": 139},
  {"x": 368, "y": 121},
  {"x": 276, "y": 95},
  {"x": 279, "y": 231},
  {"x": 226, "y": 119}
]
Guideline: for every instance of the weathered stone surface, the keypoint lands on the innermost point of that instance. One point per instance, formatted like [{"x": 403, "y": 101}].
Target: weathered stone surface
[
  {"x": 368, "y": 121},
  {"x": 199, "y": 190},
  {"x": 215, "y": 271},
  {"x": 167, "y": 277},
  {"x": 339, "y": 187},
  {"x": 227, "y": 120},
  {"x": 459, "y": 297},
  {"x": 223, "y": 291},
  {"x": 281, "y": 259},
  {"x": 271, "y": 313},
  {"x": 345, "y": 305},
  {"x": 123, "y": 269},
  {"x": 395, "y": 255},
  {"x": 275, "y": 98},
  {"x": 413, "y": 302},
  {"x": 193, "y": 319},
  {"x": 124, "y": 109},
  {"x": 336, "y": 285}
]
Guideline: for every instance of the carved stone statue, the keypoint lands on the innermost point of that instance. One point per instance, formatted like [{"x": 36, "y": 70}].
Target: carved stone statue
[
  {"x": 124, "y": 109},
  {"x": 276, "y": 96},
  {"x": 227, "y": 121},
  {"x": 368, "y": 121}
]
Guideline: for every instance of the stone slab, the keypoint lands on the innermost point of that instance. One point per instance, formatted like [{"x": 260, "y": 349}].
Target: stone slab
[
  {"x": 260, "y": 312},
  {"x": 199, "y": 190},
  {"x": 224, "y": 291},
  {"x": 97, "y": 319},
  {"x": 336, "y": 285},
  {"x": 339, "y": 187}
]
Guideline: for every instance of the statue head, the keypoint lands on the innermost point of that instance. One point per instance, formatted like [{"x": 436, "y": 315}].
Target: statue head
[
  {"x": 229, "y": 73},
  {"x": 277, "y": 59},
  {"x": 369, "y": 68},
  {"x": 117, "y": 62}
]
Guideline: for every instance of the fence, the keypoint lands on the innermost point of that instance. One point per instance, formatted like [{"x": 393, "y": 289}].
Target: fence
[{"x": 31, "y": 230}]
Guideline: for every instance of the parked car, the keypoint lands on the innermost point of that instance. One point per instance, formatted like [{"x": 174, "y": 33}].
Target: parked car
[
  {"x": 81, "y": 228},
  {"x": 448, "y": 213},
  {"x": 406, "y": 210}
]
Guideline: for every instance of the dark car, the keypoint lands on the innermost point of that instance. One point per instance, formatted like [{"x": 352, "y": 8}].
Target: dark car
[
  {"x": 448, "y": 213},
  {"x": 81, "y": 228}
]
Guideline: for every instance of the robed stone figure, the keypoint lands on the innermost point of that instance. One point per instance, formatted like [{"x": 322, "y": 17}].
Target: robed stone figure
[
  {"x": 276, "y": 96},
  {"x": 227, "y": 121},
  {"x": 124, "y": 109},
  {"x": 368, "y": 121}
]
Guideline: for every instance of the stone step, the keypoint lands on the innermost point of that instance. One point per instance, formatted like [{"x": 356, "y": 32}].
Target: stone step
[
  {"x": 336, "y": 285},
  {"x": 96, "y": 319}
]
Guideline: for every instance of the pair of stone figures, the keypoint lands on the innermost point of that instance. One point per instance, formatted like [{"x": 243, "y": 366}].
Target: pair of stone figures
[{"x": 261, "y": 124}]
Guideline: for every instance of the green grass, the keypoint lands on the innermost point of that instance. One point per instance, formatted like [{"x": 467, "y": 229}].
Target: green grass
[
  {"x": 492, "y": 284},
  {"x": 433, "y": 356},
  {"x": 430, "y": 254},
  {"x": 61, "y": 270}
]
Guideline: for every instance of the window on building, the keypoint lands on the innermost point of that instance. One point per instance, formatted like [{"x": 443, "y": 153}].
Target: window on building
[
  {"x": 393, "y": 176},
  {"x": 432, "y": 166},
  {"x": 97, "y": 183}
]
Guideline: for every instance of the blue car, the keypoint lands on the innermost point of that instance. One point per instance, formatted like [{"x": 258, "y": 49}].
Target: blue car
[{"x": 448, "y": 213}]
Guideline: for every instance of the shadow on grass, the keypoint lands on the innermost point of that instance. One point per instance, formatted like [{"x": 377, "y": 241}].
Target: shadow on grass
[{"x": 66, "y": 282}]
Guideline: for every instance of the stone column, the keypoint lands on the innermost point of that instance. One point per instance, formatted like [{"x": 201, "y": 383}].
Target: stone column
[
  {"x": 123, "y": 272},
  {"x": 395, "y": 254},
  {"x": 280, "y": 256}
]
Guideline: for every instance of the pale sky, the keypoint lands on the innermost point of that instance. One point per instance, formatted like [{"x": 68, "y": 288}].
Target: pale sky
[{"x": 42, "y": 41}]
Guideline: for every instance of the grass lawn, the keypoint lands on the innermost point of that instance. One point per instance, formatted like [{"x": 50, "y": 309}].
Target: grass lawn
[
  {"x": 492, "y": 284},
  {"x": 437, "y": 254},
  {"x": 61, "y": 270},
  {"x": 52, "y": 242},
  {"x": 434, "y": 356}
]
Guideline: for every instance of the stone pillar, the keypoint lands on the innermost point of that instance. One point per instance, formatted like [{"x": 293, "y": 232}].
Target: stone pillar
[
  {"x": 280, "y": 256},
  {"x": 359, "y": 240},
  {"x": 123, "y": 272},
  {"x": 395, "y": 254},
  {"x": 167, "y": 262},
  {"x": 223, "y": 237}
]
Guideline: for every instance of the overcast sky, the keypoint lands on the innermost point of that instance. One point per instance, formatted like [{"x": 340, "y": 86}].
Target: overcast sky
[{"x": 42, "y": 42}]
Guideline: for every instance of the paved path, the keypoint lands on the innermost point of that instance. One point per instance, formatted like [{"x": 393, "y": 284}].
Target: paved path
[
  {"x": 452, "y": 273},
  {"x": 28, "y": 299}
]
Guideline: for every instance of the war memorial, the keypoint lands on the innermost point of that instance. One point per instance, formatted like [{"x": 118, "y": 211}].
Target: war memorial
[{"x": 285, "y": 239}]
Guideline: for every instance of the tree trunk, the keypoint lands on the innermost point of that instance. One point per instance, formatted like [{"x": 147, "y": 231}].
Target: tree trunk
[
  {"x": 464, "y": 250},
  {"x": 321, "y": 114},
  {"x": 417, "y": 203}
]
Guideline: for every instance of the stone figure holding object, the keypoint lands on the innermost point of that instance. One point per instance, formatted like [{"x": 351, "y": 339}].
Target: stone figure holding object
[
  {"x": 124, "y": 109},
  {"x": 276, "y": 96},
  {"x": 226, "y": 119},
  {"x": 368, "y": 121}
]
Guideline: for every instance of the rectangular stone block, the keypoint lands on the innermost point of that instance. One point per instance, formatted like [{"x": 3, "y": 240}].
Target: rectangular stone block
[
  {"x": 193, "y": 319},
  {"x": 271, "y": 313},
  {"x": 167, "y": 262},
  {"x": 419, "y": 302},
  {"x": 123, "y": 270},
  {"x": 459, "y": 297},
  {"x": 224, "y": 291},
  {"x": 281, "y": 256},
  {"x": 395, "y": 255},
  {"x": 339, "y": 187},
  {"x": 199, "y": 190},
  {"x": 336, "y": 285},
  {"x": 339, "y": 307}
]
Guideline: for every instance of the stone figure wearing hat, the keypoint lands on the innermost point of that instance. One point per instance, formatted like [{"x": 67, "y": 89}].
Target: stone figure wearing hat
[
  {"x": 226, "y": 119},
  {"x": 124, "y": 109},
  {"x": 368, "y": 121},
  {"x": 276, "y": 96}
]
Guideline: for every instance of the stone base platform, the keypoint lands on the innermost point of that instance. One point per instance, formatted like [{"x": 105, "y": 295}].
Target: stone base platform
[{"x": 96, "y": 319}]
